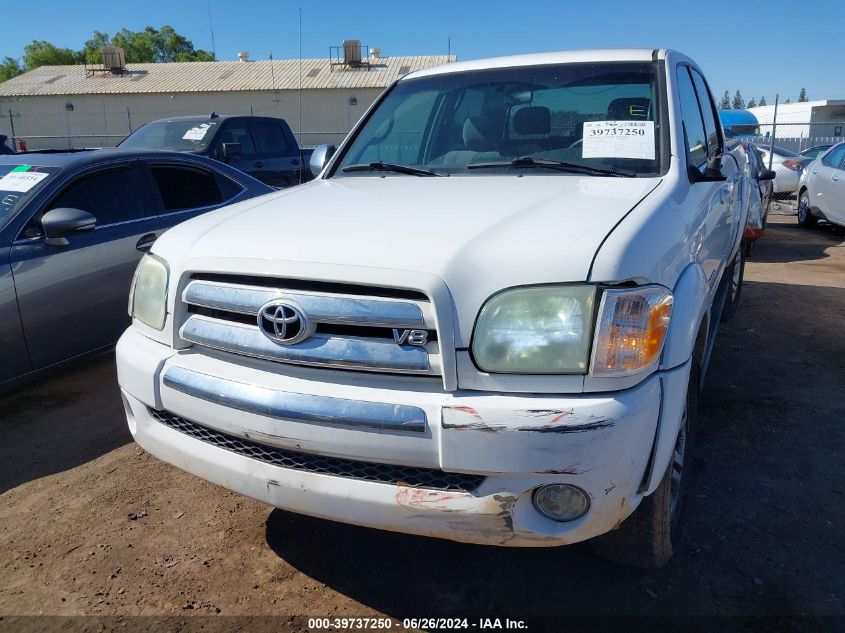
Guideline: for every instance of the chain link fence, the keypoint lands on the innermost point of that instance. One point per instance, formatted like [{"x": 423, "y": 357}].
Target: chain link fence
[{"x": 788, "y": 147}]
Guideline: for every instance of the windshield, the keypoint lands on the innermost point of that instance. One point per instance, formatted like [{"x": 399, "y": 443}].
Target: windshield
[
  {"x": 18, "y": 183},
  {"x": 179, "y": 136},
  {"x": 603, "y": 115}
]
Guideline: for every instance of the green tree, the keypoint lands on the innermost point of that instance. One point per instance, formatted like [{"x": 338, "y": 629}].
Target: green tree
[
  {"x": 803, "y": 96},
  {"x": 41, "y": 53},
  {"x": 788, "y": 100},
  {"x": 738, "y": 102},
  {"x": 763, "y": 101},
  {"x": 752, "y": 103},
  {"x": 10, "y": 67},
  {"x": 162, "y": 45},
  {"x": 725, "y": 103},
  {"x": 147, "y": 46},
  {"x": 91, "y": 53}
]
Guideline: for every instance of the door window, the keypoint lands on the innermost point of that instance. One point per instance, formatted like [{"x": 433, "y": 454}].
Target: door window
[
  {"x": 708, "y": 113},
  {"x": 112, "y": 196},
  {"x": 238, "y": 132},
  {"x": 186, "y": 187},
  {"x": 270, "y": 136},
  {"x": 835, "y": 157},
  {"x": 691, "y": 115}
]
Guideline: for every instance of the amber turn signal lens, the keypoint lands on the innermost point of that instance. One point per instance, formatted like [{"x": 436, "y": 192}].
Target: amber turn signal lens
[{"x": 631, "y": 329}]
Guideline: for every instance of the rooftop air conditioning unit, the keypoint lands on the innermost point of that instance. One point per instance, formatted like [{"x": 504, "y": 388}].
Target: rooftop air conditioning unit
[
  {"x": 114, "y": 59},
  {"x": 352, "y": 52}
]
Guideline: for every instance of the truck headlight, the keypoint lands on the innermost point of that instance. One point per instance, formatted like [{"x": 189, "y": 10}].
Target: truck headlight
[
  {"x": 536, "y": 330},
  {"x": 148, "y": 296},
  {"x": 630, "y": 329}
]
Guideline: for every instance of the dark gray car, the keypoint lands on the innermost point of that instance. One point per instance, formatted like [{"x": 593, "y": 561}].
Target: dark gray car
[{"x": 73, "y": 226}]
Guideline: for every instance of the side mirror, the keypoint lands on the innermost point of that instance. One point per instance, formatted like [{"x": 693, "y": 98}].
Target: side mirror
[
  {"x": 766, "y": 174},
  {"x": 712, "y": 172},
  {"x": 230, "y": 150},
  {"x": 59, "y": 222},
  {"x": 321, "y": 155}
]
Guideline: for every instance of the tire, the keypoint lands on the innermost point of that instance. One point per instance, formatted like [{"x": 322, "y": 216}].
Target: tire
[
  {"x": 805, "y": 217},
  {"x": 749, "y": 246},
  {"x": 648, "y": 537},
  {"x": 735, "y": 274}
]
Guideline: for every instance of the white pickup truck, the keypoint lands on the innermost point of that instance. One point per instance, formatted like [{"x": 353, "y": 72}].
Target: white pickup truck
[{"x": 487, "y": 319}]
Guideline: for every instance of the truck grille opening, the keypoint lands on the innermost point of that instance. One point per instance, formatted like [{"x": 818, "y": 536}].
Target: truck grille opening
[{"x": 428, "y": 478}]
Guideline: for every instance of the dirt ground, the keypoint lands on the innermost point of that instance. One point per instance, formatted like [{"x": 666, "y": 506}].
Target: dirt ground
[{"x": 91, "y": 524}]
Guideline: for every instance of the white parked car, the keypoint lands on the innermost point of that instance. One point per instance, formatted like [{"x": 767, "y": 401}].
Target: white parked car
[
  {"x": 487, "y": 319},
  {"x": 787, "y": 166},
  {"x": 822, "y": 190}
]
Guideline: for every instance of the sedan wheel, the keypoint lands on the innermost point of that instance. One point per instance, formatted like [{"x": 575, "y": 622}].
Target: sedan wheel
[{"x": 805, "y": 218}]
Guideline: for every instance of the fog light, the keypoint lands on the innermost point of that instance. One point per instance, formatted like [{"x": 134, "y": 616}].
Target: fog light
[{"x": 561, "y": 502}]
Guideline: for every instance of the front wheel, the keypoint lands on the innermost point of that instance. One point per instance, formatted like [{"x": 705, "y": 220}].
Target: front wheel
[
  {"x": 805, "y": 217},
  {"x": 648, "y": 537}
]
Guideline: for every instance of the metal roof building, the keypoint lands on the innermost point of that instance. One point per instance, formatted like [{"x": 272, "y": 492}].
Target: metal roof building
[{"x": 62, "y": 106}]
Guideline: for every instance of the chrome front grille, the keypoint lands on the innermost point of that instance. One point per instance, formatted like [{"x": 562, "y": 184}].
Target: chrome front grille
[{"x": 353, "y": 326}]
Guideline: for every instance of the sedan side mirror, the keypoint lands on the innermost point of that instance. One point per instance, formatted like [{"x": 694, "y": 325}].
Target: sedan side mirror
[
  {"x": 59, "y": 222},
  {"x": 766, "y": 174},
  {"x": 321, "y": 155},
  {"x": 230, "y": 150}
]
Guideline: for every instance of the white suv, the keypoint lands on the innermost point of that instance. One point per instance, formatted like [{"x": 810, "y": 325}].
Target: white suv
[{"x": 486, "y": 320}]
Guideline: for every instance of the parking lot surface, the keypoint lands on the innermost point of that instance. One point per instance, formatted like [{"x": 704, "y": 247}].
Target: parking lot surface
[{"x": 91, "y": 524}]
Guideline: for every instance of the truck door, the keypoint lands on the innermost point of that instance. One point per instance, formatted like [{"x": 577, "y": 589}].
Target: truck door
[
  {"x": 715, "y": 227},
  {"x": 278, "y": 152},
  {"x": 237, "y": 131}
]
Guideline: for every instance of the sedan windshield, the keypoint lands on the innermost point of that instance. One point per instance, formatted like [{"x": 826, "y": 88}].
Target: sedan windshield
[
  {"x": 179, "y": 136},
  {"x": 598, "y": 119},
  {"x": 18, "y": 183}
]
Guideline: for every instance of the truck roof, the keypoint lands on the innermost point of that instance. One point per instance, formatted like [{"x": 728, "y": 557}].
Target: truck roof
[{"x": 539, "y": 59}]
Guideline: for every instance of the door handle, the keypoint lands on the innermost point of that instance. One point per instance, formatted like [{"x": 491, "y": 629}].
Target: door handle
[
  {"x": 258, "y": 163},
  {"x": 834, "y": 178},
  {"x": 146, "y": 242},
  {"x": 815, "y": 171},
  {"x": 296, "y": 161}
]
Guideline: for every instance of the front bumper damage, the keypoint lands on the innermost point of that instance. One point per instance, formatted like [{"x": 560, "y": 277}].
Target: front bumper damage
[{"x": 601, "y": 443}]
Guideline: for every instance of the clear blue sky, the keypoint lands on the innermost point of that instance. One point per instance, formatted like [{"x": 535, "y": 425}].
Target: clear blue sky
[{"x": 759, "y": 47}]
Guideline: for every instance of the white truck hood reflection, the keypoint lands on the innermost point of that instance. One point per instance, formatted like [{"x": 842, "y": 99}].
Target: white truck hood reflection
[{"x": 537, "y": 229}]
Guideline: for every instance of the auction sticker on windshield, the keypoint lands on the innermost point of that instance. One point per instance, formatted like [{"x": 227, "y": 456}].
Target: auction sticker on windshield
[
  {"x": 21, "y": 179},
  {"x": 618, "y": 139},
  {"x": 197, "y": 133}
]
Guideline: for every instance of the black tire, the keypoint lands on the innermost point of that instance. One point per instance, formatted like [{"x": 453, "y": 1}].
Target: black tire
[
  {"x": 805, "y": 216},
  {"x": 749, "y": 246},
  {"x": 734, "y": 276},
  {"x": 648, "y": 537}
]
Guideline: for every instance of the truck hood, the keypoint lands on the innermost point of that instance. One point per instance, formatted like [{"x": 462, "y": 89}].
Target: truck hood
[{"x": 479, "y": 234}]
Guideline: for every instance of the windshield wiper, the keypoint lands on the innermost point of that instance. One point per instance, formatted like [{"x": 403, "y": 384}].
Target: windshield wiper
[
  {"x": 399, "y": 169},
  {"x": 559, "y": 165}
]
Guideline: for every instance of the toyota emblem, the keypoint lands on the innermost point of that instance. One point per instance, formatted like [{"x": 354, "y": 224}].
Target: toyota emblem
[{"x": 283, "y": 322}]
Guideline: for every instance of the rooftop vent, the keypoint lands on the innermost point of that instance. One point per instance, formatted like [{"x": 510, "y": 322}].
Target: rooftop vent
[
  {"x": 243, "y": 56},
  {"x": 375, "y": 53}
]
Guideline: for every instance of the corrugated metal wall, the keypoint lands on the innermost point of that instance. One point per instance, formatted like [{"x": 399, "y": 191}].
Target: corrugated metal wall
[{"x": 103, "y": 120}]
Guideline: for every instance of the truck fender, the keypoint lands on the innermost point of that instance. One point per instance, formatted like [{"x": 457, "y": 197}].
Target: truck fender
[
  {"x": 673, "y": 385},
  {"x": 688, "y": 310}
]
